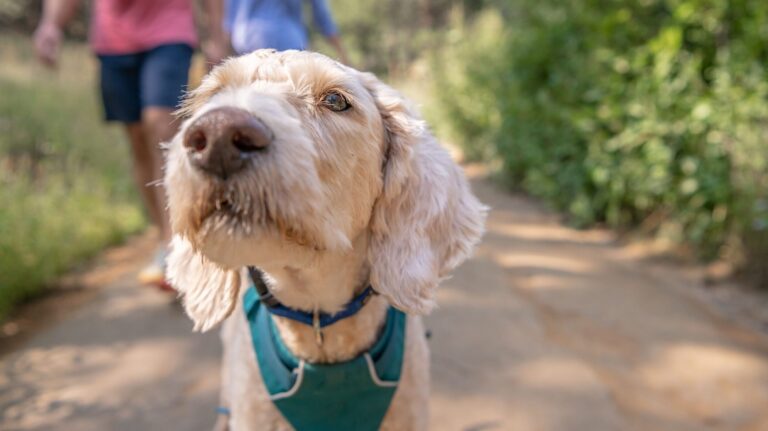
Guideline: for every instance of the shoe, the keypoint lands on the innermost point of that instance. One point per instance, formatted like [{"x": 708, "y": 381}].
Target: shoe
[{"x": 154, "y": 273}]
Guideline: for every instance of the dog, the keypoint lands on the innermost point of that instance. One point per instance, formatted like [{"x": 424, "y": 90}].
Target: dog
[{"x": 323, "y": 181}]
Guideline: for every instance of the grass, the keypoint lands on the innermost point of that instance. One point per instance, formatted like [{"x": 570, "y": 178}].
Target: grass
[{"x": 65, "y": 182}]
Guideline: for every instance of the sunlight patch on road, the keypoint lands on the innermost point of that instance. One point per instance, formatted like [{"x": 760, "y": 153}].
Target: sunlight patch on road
[
  {"x": 133, "y": 301},
  {"x": 534, "y": 262},
  {"x": 708, "y": 380},
  {"x": 549, "y": 232},
  {"x": 556, "y": 373},
  {"x": 56, "y": 383},
  {"x": 698, "y": 363}
]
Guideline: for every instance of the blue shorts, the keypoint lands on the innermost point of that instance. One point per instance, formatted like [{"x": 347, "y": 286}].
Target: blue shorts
[{"x": 154, "y": 78}]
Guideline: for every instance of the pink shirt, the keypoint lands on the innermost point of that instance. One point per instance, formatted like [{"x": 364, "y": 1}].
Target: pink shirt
[{"x": 130, "y": 26}]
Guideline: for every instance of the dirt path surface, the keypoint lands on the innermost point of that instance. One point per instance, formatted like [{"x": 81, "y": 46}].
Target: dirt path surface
[{"x": 548, "y": 328}]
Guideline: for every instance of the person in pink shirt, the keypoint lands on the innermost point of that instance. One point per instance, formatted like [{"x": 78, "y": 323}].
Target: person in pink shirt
[{"x": 144, "y": 49}]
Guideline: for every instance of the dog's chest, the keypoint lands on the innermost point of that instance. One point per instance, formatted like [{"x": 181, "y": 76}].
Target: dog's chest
[{"x": 355, "y": 394}]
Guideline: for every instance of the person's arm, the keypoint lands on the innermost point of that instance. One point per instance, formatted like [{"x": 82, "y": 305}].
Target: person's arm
[
  {"x": 217, "y": 47},
  {"x": 48, "y": 35},
  {"x": 324, "y": 21}
]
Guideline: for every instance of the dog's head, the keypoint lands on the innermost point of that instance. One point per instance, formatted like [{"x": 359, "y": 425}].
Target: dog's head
[{"x": 288, "y": 154}]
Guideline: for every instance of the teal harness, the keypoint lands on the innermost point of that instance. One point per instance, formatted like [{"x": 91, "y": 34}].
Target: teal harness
[{"x": 352, "y": 395}]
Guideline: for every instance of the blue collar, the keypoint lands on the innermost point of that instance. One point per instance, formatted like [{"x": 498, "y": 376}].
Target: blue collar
[{"x": 317, "y": 319}]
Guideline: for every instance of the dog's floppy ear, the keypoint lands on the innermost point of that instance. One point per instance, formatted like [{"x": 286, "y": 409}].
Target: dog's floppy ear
[
  {"x": 426, "y": 220},
  {"x": 210, "y": 291}
]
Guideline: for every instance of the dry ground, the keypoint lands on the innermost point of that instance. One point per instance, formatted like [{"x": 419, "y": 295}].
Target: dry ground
[{"x": 548, "y": 329}]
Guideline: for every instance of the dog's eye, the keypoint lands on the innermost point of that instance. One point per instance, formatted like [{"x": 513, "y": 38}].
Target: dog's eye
[{"x": 336, "y": 102}]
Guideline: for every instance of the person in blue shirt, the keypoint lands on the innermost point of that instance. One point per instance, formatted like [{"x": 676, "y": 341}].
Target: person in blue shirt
[{"x": 277, "y": 24}]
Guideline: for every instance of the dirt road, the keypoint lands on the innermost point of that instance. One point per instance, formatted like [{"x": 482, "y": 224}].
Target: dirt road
[{"x": 548, "y": 328}]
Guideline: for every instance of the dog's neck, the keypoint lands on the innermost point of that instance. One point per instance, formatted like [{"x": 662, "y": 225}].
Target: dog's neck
[
  {"x": 326, "y": 284},
  {"x": 326, "y": 281}
]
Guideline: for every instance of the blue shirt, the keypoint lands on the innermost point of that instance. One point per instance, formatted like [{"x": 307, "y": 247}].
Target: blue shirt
[{"x": 278, "y": 24}]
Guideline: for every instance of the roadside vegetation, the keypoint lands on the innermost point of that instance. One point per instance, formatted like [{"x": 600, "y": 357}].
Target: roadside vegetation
[
  {"x": 648, "y": 114},
  {"x": 65, "y": 183}
]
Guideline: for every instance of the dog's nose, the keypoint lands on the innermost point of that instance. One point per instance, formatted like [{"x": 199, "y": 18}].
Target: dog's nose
[{"x": 221, "y": 141}]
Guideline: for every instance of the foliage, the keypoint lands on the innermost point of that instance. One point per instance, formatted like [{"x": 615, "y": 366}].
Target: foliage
[
  {"x": 64, "y": 177},
  {"x": 386, "y": 36},
  {"x": 650, "y": 112},
  {"x": 23, "y": 16}
]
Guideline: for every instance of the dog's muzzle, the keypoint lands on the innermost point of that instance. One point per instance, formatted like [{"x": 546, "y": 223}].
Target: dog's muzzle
[{"x": 222, "y": 141}]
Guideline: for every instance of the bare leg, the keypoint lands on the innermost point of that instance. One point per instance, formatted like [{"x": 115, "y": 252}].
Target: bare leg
[
  {"x": 146, "y": 172},
  {"x": 159, "y": 126},
  {"x": 222, "y": 423}
]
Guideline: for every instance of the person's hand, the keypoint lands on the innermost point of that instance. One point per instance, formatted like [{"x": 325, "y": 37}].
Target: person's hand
[
  {"x": 215, "y": 51},
  {"x": 47, "y": 40}
]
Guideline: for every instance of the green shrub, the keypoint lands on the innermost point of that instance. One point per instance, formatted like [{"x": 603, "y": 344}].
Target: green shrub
[
  {"x": 651, "y": 112},
  {"x": 65, "y": 177}
]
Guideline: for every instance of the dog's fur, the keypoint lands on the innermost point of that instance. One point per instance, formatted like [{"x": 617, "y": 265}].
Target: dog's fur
[{"x": 338, "y": 199}]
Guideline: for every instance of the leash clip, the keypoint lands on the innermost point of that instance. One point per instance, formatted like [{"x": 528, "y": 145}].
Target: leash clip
[{"x": 317, "y": 328}]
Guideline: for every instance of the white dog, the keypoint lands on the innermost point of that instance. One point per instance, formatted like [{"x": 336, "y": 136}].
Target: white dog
[{"x": 323, "y": 178}]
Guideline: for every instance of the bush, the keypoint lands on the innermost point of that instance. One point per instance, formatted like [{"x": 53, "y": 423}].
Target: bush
[
  {"x": 65, "y": 178},
  {"x": 628, "y": 113}
]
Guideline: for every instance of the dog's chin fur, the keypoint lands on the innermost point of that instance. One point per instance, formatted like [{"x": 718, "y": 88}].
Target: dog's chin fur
[
  {"x": 235, "y": 235},
  {"x": 237, "y": 248},
  {"x": 244, "y": 206}
]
